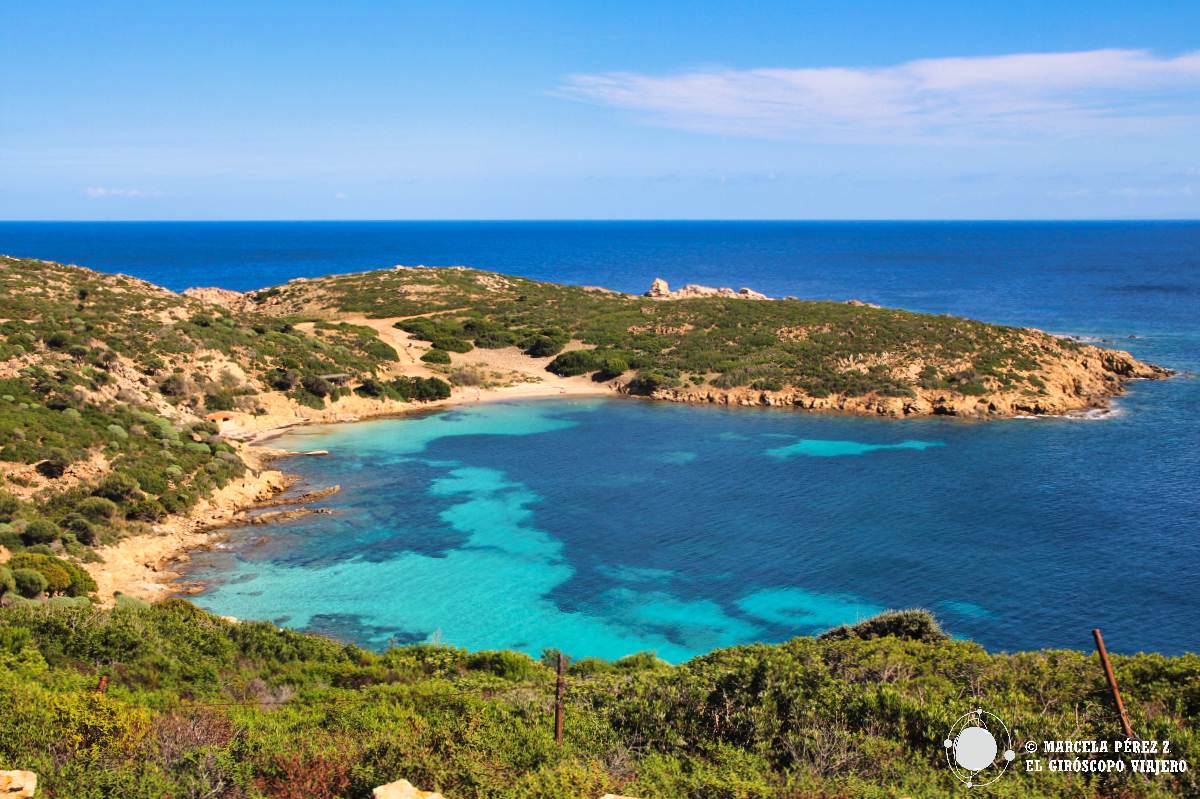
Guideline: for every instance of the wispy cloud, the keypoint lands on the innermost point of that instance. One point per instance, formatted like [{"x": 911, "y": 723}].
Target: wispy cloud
[
  {"x": 101, "y": 192},
  {"x": 1010, "y": 96}
]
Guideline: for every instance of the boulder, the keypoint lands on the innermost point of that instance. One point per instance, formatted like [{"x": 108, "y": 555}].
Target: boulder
[
  {"x": 17, "y": 784},
  {"x": 403, "y": 789},
  {"x": 659, "y": 288}
]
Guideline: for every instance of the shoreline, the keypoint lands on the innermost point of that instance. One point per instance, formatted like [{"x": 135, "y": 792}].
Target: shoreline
[{"x": 144, "y": 566}]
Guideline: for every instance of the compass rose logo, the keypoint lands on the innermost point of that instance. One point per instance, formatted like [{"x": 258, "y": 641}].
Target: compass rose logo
[{"x": 973, "y": 748}]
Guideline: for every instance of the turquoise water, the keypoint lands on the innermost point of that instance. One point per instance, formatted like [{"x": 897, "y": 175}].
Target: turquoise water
[{"x": 606, "y": 527}]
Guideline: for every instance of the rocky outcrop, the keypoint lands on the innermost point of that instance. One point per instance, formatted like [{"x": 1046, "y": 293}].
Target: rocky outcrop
[
  {"x": 403, "y": 789},
  {"x": 276, "y": 516},
  {"x": 233, "y": 301},
  {"x": 17, "y": 784},
  {"x": 309, "y": 496},
  {"x": 1075, "y": 381},
  {"x": 661, "y": 290}
]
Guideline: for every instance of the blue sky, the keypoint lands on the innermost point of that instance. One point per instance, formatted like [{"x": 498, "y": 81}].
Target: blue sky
[{"x": 799, "y": 110}]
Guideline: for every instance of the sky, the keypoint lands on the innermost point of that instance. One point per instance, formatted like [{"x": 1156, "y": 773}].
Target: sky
[{"x": 587, "y": 110}]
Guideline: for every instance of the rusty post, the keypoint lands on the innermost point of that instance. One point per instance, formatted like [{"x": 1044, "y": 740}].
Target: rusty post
[
  {"x": 102, "y": 686},
  {"x": 1112, "y": 683},
  {"x": 559, "y": 688}
]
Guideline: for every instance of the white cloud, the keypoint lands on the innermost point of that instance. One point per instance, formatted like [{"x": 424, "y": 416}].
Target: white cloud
[
  {"x": 1012, "y": 96},
  {"x": 100, "y": 191}
]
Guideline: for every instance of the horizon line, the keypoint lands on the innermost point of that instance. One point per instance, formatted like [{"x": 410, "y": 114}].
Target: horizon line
[{"x": 646, "y": 220}]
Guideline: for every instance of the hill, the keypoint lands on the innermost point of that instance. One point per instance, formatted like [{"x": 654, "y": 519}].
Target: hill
[{"x": 710, "y": 346}]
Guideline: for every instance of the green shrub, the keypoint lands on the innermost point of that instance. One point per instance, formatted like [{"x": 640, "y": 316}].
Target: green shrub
[
  {"x": 96, "y": 508},
  {"x": 370, "y": 387},
  {"x": 910, "y": 625},
  {"x": 317, "y": 386},
  {"x": 9, "y": 506},
  {"x": 575, "y": 362},
  {"x": 541, "y": 346},
  {"x": 62, "y": 576},
  {"x": 282, "y": 379},
  {"x": 421, "y": 389},
  {"x": 7, "y": 584},
  {"x": 28, "y": 583},
  {"x": 646, "y": 383},
  {"x": 145, "y": 510},
  {"x": 41, "y": 531},
  {"x": 502, "y": 663},
  {"x": 219, "y": 401},
  {"x": 119, "y": 487},
  {"x": 436, "y": 356},
  {"x": 611, "y": 367}
]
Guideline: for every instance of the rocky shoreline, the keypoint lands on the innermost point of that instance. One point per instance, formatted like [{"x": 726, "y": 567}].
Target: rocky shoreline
[{"x": 1089, "y": 383}]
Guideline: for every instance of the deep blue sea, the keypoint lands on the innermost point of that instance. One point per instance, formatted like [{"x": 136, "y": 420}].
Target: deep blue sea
[{"x": 606, "y": 527}]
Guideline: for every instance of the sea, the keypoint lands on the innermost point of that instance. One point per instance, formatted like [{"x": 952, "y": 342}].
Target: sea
[{"x": 607, "y": 527}]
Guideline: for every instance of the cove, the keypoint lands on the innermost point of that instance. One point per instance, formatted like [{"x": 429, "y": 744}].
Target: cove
[{"x": 608, "y": 527}]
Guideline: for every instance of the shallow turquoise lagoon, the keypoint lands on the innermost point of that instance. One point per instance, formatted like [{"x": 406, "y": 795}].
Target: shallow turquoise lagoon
[{"x": 608, "y": 527}]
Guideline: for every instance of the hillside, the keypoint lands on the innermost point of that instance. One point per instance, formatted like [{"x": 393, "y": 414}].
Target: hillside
[
  {"x": 200, "y": 707},
  {"x": 711, "y": 347}
]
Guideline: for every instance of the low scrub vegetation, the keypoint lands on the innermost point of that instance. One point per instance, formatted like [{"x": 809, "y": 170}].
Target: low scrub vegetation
[
  {"x": 198, "y": 706},
  {"x": 820, "y": 348}
]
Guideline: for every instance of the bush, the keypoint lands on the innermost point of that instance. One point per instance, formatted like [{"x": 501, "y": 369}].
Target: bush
[
  {"x": 611, "y": 367},
  {"x": 28, "y": 583},
  {"x": 85, "y": 532},
  {"x": 119, "y": 487},
  {"x": 436, "y": 356},
  {"x": 370, "y": 387},
  {"x": 909, "y": 625},
  {"x": 544, "y": 346},
  {"x": 317, "y": 386},
  {"x": 146, "y": 510},
  {"x": 40, "y": 531},
  {"x": 7, "y": 585},
  {"x": 96, "y": 508},
  {"x": 646, "y": 383},
  {"x": 502, "y": 663},
  {"x": 575, "y": 362},
  {"x": 9, "y": 506},
  {"x": 174, "y": 386},
  {"x": 421, "y": 389},
  {"x": 219, "y": 401},
  {"x": 62, "y": 576},
  {"x": 281, "y": 379}
]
